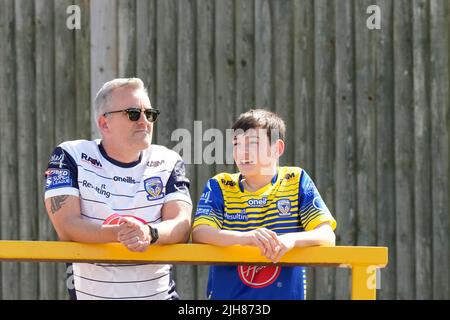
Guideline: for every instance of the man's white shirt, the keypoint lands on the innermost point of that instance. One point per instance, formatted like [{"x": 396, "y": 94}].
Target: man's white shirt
[{"x": 105, "y": 187}]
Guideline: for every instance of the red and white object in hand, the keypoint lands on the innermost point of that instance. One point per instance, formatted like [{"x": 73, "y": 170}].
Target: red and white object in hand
[{"x": 116, "y": 219}]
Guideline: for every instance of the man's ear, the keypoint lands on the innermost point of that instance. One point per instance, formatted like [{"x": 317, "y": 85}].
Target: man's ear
[{"x": 102, "y": 124}]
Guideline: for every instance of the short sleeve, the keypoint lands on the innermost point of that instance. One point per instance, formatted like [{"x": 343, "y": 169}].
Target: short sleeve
[
  {"x": 61, "y": 175},
  {"x": 177, "y": 187},
  {"x": 313, "y": 210},
  {"x": 210, "y": 208}
]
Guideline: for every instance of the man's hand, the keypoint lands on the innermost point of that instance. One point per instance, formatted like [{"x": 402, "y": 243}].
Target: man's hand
[{"x": 134, "y": 234}]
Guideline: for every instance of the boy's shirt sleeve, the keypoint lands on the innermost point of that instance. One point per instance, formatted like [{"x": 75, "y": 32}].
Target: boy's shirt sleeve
[
  {"x": 313, "y": 210},
  {"x": 210, "y": 208}
]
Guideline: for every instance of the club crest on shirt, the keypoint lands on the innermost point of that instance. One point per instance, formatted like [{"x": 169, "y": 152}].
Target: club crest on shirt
[
  {"x": 284, "y": 207},
  {"x": 154, "y": 187}
]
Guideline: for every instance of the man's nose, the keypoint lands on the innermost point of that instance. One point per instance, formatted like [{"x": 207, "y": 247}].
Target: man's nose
[{"x": 142, "y": 117}]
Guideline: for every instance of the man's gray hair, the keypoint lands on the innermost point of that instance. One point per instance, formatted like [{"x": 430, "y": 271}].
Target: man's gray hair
[{"x": 103, "y": 96}]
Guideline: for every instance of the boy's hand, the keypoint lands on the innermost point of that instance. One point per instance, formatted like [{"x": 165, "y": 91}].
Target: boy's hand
[
  {"x": 286, "y": 243},
  {"x": 266, "y": 240}
]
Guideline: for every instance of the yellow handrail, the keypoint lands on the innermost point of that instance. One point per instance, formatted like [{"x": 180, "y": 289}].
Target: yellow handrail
[{"x": 363, "y": 260}]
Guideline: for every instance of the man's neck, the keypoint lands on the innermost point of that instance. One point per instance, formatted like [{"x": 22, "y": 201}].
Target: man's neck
[{"x": 123, "y": 155}]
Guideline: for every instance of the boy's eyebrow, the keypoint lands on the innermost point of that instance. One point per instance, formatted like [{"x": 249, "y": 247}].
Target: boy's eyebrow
[{"x": 251, "y": 137}]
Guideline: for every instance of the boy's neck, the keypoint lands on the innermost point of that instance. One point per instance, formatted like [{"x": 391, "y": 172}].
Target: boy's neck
[{"x": 255, "y": 183}]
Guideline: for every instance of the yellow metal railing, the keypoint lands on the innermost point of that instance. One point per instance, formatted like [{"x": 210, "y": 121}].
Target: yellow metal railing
[{"x": 362, "y": 260}]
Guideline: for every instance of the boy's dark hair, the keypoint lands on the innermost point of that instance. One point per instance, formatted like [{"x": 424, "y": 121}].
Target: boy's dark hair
[{"x": 262, "y": 119}]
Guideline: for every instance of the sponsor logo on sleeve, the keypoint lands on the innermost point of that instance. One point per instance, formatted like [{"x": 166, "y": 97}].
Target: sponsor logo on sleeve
[
  {"x": 57, "y": 178},
  {"x": 204, "y": 211},
  {"x": 57, "y": 160},
  {"x": 205, "y": 197},
  {"x": 154, "y": 188},
  {"x": 320, "y": 205}
]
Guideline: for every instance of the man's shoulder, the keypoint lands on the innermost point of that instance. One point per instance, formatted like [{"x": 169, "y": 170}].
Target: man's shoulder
[
  {"x": 78, "y": 144},
  {"x": 157, "y": 150}
]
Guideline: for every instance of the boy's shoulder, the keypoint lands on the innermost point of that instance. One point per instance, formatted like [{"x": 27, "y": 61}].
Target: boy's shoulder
[
  {"x": 225, "y": 179},
  {"x": 290, "y": 172}
]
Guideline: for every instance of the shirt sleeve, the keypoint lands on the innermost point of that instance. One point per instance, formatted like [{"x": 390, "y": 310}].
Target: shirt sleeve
[
  {"x": 61, "y": 175},
  {"x": 313, "y": 210},
  {"x": 210, "y": 208},
  {"x": 177, "y": 187}
]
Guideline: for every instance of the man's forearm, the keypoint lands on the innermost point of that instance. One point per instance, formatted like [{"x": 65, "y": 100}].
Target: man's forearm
[
  {"x": 80, "y": 230},
  {"x": 173, "y": 231}
]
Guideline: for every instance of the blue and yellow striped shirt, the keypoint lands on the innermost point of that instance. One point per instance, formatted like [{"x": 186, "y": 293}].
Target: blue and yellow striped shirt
[{"x": 290, "y": 203}]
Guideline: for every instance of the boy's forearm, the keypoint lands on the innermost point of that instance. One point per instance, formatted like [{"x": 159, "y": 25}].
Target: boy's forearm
[
  {"x": 210, "y": 235},
  {"x": 316, "y": 237}
]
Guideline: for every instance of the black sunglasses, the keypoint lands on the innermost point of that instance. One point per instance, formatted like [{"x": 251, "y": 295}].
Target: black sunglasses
[{"x": 135, "y": 113}]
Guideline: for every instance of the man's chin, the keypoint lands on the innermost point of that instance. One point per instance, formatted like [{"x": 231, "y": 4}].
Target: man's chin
[{"x": 142, "y": 144}]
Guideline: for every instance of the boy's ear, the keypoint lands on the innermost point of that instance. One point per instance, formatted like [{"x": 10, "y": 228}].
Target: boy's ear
[{"x": 279, "y": 147}]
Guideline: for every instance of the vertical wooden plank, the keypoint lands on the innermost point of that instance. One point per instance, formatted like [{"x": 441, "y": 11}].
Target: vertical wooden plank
[
  {"x": 26, "y": 132},
  {"x": 404, "y": 148},
  {"x": 422, "y": 151},
  {"x": 365, "y": 127},
  {"x": 185, "y": 274},
  {"x": 126, "y": 33},
  {"x": 104, "y": 51},
  {"x": 45, "y": 136},
  {"x": 283, "y": 73},
  {"x": 385, "y": 148},
  {"x": 205, "y": 107},
  {"x": 8, "y": 147},
  {"x": 263, "y": 54},
  {"x": 303, "y": 112},
  {"x": 225, "y": 66},
  {"x": 65, "y": 106},
  {"x": 82, "y": 73},
  {"x": 146, "y": 45},
  {"x": 167, "y": 102},
  {"x": 440, "y": 144},
  {"x": 303, "y": 66},
  {"x": 345, "y": 138},
  {"x": 166, "y": 76},
  {"x": 245, "y": 51},
  {"x": 324, "y": 125}
]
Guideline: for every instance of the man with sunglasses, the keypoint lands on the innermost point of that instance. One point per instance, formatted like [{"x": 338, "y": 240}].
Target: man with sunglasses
[{"x": 119, "y": 188}]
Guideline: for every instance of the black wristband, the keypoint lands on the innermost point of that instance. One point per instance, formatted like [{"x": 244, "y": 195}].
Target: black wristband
[{"x": 153, "y": 234}]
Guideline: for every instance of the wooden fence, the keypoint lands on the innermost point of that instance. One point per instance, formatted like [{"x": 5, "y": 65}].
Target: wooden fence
[{"x": 367, "y": 114}]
